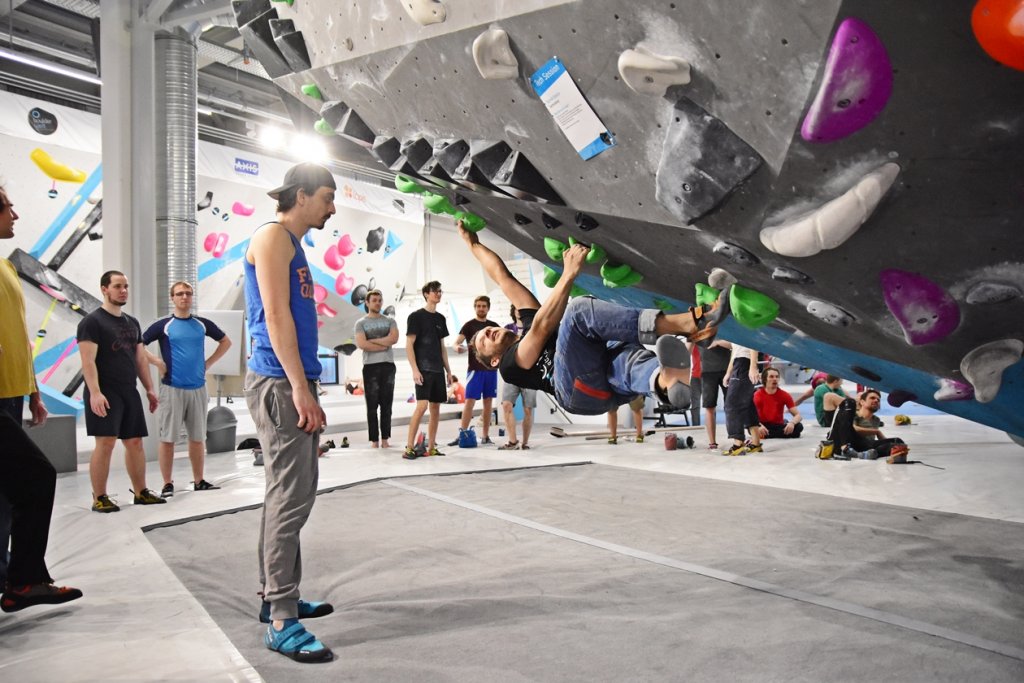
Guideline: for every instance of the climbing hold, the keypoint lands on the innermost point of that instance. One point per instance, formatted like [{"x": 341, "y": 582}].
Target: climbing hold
[
  {"x": 923, "y": 309},
  {"x": 343, "y": 284},
  {"x": 830, "y": 313},
  {"x": 522, "y": 220},
  {"x": 834, "y": 222},
  {"x": 662, "y": 305},
  {"x": 898, "y": 397},
  {"x": 702, "y": 161},
  {"x": 307, "y": 239},
  {"x": 984, "y": 366},
  {"x": 359, "y": 295},
  {"x": 392, "y": 245},
  {"x": 354, "y": 129},
  {"x": 240, "y": 209},
  {"x": 470, "y": 221},
  {"x": 389, "y": 311},
  {"x": 791, "y": 275},
  {"x": 460, "y": 200},
  {"x": 54, "y": 169},
  {"x": 585, "y": 222},
  {"x": 999, "y": 29},
  {"x": 205, "y": 202},
  {"x": 319, "y": 293},
  {"x": 855, "y": 86},
  {"x": 332, "y": 259},
  {"x": 553, "y": 248},
  {"x": 425, "y": 12},
  {"x": 374, "y": 239},
  {"x": 751, "y": 308},
  {"x": 519, "y": 178},
  {"x": 325, "y": 310},
  {"x": 333, "y": 112},
  {"x": 252, "y": 19},
  {"x": 901, "y": 420},
  {"x": 631, "y": 278},
  {"x": 596, "y": 253},
  {"x": 551, "y": 276},
  {"x": 953, "y": 390},
  {"x": 493, "y": 55},
  {"x": 651, "y": 74},
  {"x": 577, "y": 291},
  {"x": 311, "y": 90},
  {"x": 473, "y": 165},
  {"x": 408, "y": 185},
  {"x": 345, "y": 245},
  {"x": 720, "y": 278},
  {"x": 291, "y": 44},
  {"x": 387, "y": 150},
  {"x": 866, "y": 374},
  {"x": 550, "y": 222},
  {"x": 614, "y": 272},
  {"x": 991, "y": 293},
  {"x": 706, "y": 294},
  {"x": 736, "y": 254},
  {"x": 437, "y": 203}
]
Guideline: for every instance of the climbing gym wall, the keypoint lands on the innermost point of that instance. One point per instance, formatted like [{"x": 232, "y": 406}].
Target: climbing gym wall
[{"x": 855, "y": 165}]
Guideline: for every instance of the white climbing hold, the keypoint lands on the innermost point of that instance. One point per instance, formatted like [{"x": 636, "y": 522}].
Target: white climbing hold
[
  {"x": 953, "y": 390},
  {"x": 992, "y": 293},
  {"x": 721, "y": 279},
  {"x": 425, "y": 12},
  {"x": 829, "y": 313},
  {"x": 651, "y": 74},
  {"x": 983, "y": 367},
  {"x": 493, "y": 55},
  {"x": 834, "y": 222}
]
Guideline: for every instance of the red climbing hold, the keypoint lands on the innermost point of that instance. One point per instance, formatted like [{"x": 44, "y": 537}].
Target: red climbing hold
[{"x": 999, "y": 27}]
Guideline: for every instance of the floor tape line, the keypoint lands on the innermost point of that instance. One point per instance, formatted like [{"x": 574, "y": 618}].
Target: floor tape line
[{"x": 736, "y": 579}]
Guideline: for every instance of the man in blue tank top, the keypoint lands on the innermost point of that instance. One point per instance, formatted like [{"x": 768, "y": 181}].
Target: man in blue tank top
[{"x": 280, "y": 388}]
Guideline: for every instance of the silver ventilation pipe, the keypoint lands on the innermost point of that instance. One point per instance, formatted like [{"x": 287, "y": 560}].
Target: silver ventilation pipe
[{"x": 175, "y": 96}]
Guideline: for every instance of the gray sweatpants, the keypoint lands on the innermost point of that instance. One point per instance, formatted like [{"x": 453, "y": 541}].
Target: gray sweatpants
[{"x": 292, "y": 470}]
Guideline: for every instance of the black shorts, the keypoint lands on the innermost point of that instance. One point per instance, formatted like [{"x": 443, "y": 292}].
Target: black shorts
[
  {"x": 433, "y": 388},
  {"x": 826, "y": 418},
  {"x": 709, "y": 385},
  {"x": 126, "y": 418}
]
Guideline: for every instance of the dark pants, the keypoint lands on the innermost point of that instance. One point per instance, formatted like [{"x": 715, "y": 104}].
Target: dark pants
[
  {"x": 778, "y": 431},
  {"x": 27, "y": 481},
  {"x": 843, "y": 433},
  {"x": 740, "y": 412},
  {"x": 379, "y": 385}
]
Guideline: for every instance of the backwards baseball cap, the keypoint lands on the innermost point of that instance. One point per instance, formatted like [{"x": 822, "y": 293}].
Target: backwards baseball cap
[{"x": 305, "y": 175}]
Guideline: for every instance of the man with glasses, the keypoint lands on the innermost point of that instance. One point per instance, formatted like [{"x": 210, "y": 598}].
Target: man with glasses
[
  {"x": 183, "y": 398},
  {"x": 425, "y": 333}
]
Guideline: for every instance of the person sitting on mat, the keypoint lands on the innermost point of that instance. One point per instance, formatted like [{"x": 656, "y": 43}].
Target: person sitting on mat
[
  {"x": 771, "y": 401},
  {"x": 589, "y": 354}
]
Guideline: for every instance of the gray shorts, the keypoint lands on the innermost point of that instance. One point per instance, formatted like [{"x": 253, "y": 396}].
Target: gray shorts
[
  {"x": 182, "y": 407},
  {"x": 510, "y": 392}
]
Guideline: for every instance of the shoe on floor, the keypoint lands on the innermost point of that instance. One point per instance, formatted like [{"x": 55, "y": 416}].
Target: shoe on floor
[
  {"x": 167, "y": 491},
  {"x": 639, "y": 438},
  {"x": 751, "y": 448},
  {"x": 738, "y": 449},
  {"x": 510, "y": 446},
  {"x": 486, "y": 441},
  {"x": 307, "y": 610},
  {"x": 147, "y": 497},
  {"x": 104, "y": 504},
  {"x": 344, "y": 442},
  {"x": 19, "y": 597},
  {"x": 613, "y": 440},
  {"x": 410, "y": 454},
  {"x": 434, "y": 451},
  {"x": 454, "y": 442},
  {"x": 296, "y": 642},
  {"x": 203, "y": 485}
]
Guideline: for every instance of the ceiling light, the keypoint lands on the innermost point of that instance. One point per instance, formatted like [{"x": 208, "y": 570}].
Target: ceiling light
[
  {"x": 309, "y": 148},
  {"x": 272, "y": 137},
  {"x": 49, "y": 66}
]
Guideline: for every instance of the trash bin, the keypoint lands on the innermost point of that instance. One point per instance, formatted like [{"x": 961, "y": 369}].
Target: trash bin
[{"x": 221, "y": 425}]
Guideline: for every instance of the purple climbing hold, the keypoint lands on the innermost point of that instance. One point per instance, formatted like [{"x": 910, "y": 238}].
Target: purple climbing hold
[
  {"x": 924, "y": 310},
  {"x": 855, "y": 86},
  {"x": 898, "y": 397},
  {"x": 953, "y": 390}
]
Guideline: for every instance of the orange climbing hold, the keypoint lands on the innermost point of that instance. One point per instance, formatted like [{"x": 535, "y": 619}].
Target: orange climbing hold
[{"x": 999, "y": 27}]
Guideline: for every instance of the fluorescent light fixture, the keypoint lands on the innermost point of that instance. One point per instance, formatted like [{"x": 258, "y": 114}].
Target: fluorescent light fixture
[
  {"x": 309, "y": 148},
  {"x": 272, "y": 137},
  {"x": 48, "y": 66}
]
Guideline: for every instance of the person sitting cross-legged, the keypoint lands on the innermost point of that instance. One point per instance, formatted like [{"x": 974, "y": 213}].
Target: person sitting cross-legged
[{"x": 771, "y": 401}]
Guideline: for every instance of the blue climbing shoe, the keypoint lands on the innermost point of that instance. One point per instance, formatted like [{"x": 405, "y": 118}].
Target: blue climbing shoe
[
  {"x": 307, "y": 610},
  {"x": 296, "y": 642}
]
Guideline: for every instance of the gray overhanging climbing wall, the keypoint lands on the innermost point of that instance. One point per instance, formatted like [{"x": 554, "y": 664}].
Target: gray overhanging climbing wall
[{"x": 869, "y": 154}]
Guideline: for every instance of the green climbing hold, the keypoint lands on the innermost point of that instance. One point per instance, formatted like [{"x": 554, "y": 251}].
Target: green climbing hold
[
  {"x": 553, "y": 248},
  {"x": 596, "y": 253},
  {"x": 751, "y": 308},
  {"x": 550, "y": 277},
  {"x": 470, "y": 221},
  {"x": 288, "y": 2},
  {"x": 614, "y": 272},
  {"x": 323, "y": 128},
  {"x": 663, "y": 305},
  {"x": 310, "y": 90},
  {"x": 706, "y": 294},
  {"x": 577, "y": 291},
  {"x": 438, "y": 203},
  {"x": 407, "y": 185},
  {"x": 631, "y": 278}
]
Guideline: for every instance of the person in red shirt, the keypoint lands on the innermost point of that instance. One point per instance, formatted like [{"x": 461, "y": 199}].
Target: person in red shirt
[{"x": 771, "y": 402}]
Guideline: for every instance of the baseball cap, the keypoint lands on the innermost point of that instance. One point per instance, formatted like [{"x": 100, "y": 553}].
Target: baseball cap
[{"x": 306, "y": 175}]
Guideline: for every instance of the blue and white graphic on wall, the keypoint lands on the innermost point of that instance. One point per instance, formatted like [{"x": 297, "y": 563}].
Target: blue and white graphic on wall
[
  {"x": 247, "y": 166},
  {"x": 570, "y": 109}
]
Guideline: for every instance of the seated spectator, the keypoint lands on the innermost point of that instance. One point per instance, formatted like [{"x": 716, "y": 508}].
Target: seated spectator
[
  {"x": 456, "y": 391},
  {"x": 770, "y": 402},
  {"x": 827, "y": 397},
  {"x": 861, "y": 436},
  {"x": 817, "y": 377}
]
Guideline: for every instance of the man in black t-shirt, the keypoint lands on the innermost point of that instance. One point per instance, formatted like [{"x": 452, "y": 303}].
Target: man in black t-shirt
[
  {"x": 425, "y": 332},
  {"x": 590, "y": 353},
  {"x": 113, "y": 358},
  {"x": 482, "y": 381}
]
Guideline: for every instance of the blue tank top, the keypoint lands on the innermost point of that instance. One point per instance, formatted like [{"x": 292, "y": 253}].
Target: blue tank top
[{"x": 303, "y": 308}]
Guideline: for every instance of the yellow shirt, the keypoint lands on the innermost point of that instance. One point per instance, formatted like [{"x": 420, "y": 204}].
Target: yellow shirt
[{"x": 17, "y": 377}]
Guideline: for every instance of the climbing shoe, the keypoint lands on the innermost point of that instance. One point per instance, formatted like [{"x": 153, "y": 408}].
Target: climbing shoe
[
  {"x": 147, "y": 497},
  {"x": 167, "y": 491},
  {"x": 203, "y": 485},
  {"x": 737, "y": 449},
  {"x": 706, "y": 318},
  {"x": 296, "y": 642},
  {"x": 613, "y": 440},
  {"x": 104, "y": 504},
  {"x": 19, "y": 597},
  {"x": 410, "y": 454},
  {"x": 433, "y": 451},
  {"x": 751, "y": 448},
  {"x": 307, "y": 610}
]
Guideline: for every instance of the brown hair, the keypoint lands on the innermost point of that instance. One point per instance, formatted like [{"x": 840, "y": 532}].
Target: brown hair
[
  {"x": 483, "y": 297},
  {"x": 182, "y": 282}
]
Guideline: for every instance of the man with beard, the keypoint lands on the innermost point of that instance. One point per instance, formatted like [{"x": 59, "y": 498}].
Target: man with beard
[
  {"x": 771, "y": 401},
  {"x": 281, "y": 391},
  {"x": 483, "y": 381},
  {"x": 376, "y": 334},
  {"x": 113, "y": 358}
]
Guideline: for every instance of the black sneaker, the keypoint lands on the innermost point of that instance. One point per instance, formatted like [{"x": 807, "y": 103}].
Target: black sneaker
[
  {"x": 167, "y": 491},
  {"x": 203, "y": 485},
  {"x": 147, "y": 497},
  {"x": 104, "y": 504},
  {"x": 454, "y": 442},
  {"x": 19, "y": 597}
]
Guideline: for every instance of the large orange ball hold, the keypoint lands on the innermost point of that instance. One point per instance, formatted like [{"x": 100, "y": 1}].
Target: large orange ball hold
[{"x": 999, "y": 27}]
